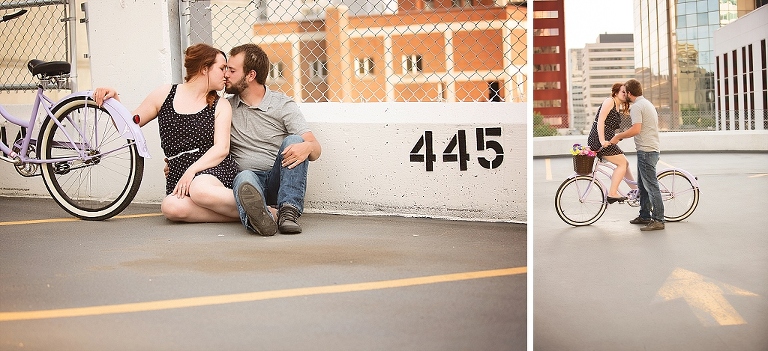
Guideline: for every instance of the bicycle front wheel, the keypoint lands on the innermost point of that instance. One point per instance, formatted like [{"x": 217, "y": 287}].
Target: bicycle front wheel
[
  {"x": 91, "y": 170},
  {"x": 580, "y": 201},
  {"x": 679, "y": 195}
]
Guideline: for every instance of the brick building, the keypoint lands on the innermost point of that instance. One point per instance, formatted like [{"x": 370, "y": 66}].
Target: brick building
[
  {"x": 429, "y": 50},
  {"x": 550, "y": 79}
]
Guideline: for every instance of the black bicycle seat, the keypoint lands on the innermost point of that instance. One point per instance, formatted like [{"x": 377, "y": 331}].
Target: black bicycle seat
[{"x": 48, "y": 68}]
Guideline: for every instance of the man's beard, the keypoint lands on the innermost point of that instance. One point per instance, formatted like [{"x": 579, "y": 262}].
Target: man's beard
[{"x": 237, "y": 87}]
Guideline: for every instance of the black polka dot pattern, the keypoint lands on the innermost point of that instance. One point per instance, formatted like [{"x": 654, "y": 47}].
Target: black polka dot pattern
[
  {"x": 612, "y": 122},
  {"x": 184, "y": 132}
]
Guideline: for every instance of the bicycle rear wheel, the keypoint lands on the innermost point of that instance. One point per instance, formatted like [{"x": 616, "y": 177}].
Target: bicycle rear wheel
[
  {"x": 679, "y": 195},
  {"x": 580, "y": 201},
  {"x": 103, "y": 183}
]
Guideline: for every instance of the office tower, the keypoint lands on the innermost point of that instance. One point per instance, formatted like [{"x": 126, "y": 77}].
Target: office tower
[{"x": 674, "y": 57}]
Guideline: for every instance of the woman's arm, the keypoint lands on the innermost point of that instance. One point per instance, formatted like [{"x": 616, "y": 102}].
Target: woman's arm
[
  {"x": 215, "y": 154},
  {"x": 605, "y": 109},
  {"x": 148, "y": 109}
]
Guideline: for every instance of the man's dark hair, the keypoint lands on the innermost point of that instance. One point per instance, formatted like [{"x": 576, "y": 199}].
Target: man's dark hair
[
  {"x": 255, "y": 60},
  {"x": 633, "y": 87}
]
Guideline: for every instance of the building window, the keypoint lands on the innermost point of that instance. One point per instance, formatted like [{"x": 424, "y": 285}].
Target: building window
[
  {"x": 494, "y": 92},
  {"x": 546, "y": 32},
  {"x": 364, "y": 66},
  {"x": 276, "y": 71},
  {"x": 546, "y": 68},
  {"x": 412, "y": 63},
  {"x": 318, "y": 69},
  {"x": 546, "y": 49},
  {"x": 546, "y": 85},
  {"x": 545, "y": 14},
  {"x": 547, "y": 103}
]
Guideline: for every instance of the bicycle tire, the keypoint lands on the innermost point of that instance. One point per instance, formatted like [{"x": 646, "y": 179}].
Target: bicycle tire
[
  {"x": 91, "y": 190},
  {"x": 679, "y": 195},
  {"x": 580, "y": 201}
]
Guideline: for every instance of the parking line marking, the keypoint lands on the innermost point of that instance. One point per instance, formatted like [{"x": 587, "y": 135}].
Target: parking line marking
[
  {"x": 254, "y": 296},
  {"x": 73, "y": 219}
]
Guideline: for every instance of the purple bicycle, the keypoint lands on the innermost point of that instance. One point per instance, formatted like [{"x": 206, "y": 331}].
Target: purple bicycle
[{"x": 91, "y": 158}]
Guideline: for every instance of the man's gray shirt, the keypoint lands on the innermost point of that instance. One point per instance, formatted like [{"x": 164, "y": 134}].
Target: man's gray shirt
[
  {"x": 257, "y": 132},
  {"x": 643, "y": 111}
]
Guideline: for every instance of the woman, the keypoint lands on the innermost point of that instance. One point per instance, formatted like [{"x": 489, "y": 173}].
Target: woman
[
  {"x": 606, "y": 123},
  {"x": 194, "y": 128}
]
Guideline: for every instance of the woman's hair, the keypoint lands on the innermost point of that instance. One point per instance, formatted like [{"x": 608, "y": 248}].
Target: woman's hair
[
  {"x": 255, "y": 60},
  {"x": 623, "y": 108},
  {"x": 197, "y": 58}
]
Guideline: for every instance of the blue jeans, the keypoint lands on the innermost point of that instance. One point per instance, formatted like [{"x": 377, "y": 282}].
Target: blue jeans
[
  {"x": 651, "y": 205},
  {"x": 278, "y": 186}
]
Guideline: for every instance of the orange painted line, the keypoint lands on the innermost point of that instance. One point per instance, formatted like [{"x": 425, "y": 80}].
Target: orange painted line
[{"x": 253, "y": 296}]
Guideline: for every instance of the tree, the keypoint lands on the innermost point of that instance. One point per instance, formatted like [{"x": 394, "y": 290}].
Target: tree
[{"x": 540, "y": 128}]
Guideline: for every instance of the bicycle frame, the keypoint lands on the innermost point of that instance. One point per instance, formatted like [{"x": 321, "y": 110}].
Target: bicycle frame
[
  {"x": 120, "y": 116},
  {"x": 600, "y": 166}
]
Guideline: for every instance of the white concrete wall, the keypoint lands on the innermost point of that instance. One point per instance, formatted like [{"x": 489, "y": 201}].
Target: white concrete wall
[{"x": 365, "y": 166}]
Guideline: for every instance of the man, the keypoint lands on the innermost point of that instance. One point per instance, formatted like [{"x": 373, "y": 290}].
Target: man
[
  {"x": 272, "y": 144},
  {"x": 645, "y": 129}
]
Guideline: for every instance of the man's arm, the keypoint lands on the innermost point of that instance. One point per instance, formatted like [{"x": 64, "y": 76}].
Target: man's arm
[
  {"x": 295, "y": 154},
  {"x": 634, "y": 130}
]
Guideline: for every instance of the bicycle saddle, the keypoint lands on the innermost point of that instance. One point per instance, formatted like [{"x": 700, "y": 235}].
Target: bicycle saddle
[{"x": 51, "y": 68}]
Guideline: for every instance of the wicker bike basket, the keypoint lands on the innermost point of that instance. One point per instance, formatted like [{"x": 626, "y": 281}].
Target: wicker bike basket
[{"x": 582, "y": 164}]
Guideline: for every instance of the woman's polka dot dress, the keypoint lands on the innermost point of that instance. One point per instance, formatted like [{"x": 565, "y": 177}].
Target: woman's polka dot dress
[
  {"x": 612, "y": 123},
  {"x": 181, "y": 133}
]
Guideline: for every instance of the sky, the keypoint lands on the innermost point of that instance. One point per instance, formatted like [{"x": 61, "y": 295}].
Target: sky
[{"x": 586, "y": 19}]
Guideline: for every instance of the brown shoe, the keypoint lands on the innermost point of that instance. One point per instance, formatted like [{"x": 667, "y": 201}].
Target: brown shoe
[
  {"x": 287, "y": 220},
  {"x": 640, "y": 220},
  {"x": 654, "y": 225},
  {"x": 258, "y": 216}
]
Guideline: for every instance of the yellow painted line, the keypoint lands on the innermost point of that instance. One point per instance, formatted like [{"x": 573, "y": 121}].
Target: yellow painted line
[
  {"x": 548, "y": 167},
  {"x": 253, "y": 296},
  {"x": 73, "y": 219},
  {"x": 758, "y": 175}
]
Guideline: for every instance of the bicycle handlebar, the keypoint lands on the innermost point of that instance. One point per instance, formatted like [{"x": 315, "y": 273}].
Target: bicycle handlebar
[{"x": 13, "y": 15}]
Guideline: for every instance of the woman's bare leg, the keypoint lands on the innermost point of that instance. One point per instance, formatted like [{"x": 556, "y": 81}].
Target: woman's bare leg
[
  {"x": 208, "y": 201},
  {"x": 622, "y": 165}
]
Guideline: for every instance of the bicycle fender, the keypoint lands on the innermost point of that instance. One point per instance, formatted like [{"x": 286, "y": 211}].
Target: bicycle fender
[
  {"x": 691, "y": 177},
  {"x": 122, "y": 118}
]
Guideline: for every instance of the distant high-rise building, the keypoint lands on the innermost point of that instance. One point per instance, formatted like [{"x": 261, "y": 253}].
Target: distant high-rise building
[
  {"x": 576, "y": 84},
  {"x": 594, "y": 69},
  {"x": 741, "y": 73},
  {"x": 610, "y": 60},
  {"x": 550, "y": 90},
  {"x": 674, "y": 57}
]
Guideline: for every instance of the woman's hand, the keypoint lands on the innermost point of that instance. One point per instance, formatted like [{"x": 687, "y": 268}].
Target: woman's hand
[
  {"x": 103, "y": 94},
  {"x": 182, "y": 187}
]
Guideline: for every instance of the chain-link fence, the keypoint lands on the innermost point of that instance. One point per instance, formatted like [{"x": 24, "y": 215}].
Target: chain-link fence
[
  {"x": 685, "y": 121},
  {"x": 377, "y": 50},
  {"x": 40, "y": 33}
]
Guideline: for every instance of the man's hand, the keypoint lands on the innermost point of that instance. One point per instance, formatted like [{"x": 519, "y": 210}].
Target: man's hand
[{"x": 295, "y": 154}]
